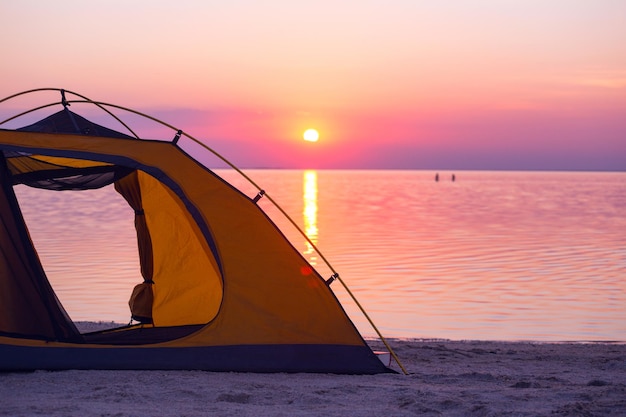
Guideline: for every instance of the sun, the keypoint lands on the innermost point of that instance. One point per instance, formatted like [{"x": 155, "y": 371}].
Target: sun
[{"x": 311, "y": 135}]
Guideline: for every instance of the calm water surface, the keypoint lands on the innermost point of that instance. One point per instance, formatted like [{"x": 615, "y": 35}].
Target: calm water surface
[{"x": 492, "y": 255}]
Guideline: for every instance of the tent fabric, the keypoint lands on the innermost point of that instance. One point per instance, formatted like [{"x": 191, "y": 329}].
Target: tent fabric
[
  {"x": 210, "y": 256},
  {"x": 187, "y": 282},
  {"x": 343, "y": 359},
  {"x": 62, "y": 173},
  {"x": 140, "y": 303},
  {"x": 129, "y": 188},
  {"x": 66, "y": 121},
  {"x": 142, "y": 297},
  {"x": 28, "y": 306}
]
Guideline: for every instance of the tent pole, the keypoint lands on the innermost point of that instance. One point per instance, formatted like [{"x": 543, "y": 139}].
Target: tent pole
[{"x": 65, "y": 103}]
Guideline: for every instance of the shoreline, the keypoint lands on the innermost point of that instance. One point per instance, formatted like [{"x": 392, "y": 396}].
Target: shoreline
[
  {"x": 450, "y": 378},
  {"x": 92, "y": 326}
]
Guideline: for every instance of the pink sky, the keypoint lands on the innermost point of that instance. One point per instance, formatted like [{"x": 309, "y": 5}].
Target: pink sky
[{"x": 404, "y": 84}]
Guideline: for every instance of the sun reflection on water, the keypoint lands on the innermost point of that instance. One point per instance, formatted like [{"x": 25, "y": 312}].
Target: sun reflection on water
[{"x": 309, "y": 212}]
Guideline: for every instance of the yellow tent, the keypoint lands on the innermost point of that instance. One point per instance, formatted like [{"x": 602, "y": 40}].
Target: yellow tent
[{"x": 223, "y": 288}]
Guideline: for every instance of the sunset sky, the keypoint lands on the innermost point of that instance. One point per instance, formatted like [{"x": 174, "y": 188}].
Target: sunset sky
[{"x": 500, "y": 84}]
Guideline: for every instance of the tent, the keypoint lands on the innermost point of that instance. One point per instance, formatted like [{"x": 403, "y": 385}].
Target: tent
[{"x": 222, "y": 290}]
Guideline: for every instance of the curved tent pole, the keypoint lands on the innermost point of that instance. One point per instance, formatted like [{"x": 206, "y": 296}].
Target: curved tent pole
[
  {"x": 64, "y": 102},
  {"x": 104, "y": 105},
  {"x": 154, "y": 119},
  {"x": 28, "y": 111}
]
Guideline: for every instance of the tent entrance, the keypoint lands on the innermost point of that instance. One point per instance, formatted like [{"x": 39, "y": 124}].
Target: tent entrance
[
  {"x": 169, "y": 254},
  {"x": 87, "y": 244}
]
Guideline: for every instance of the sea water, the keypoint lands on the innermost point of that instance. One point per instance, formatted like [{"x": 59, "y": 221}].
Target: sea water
[{"x": 481, "y": 255}]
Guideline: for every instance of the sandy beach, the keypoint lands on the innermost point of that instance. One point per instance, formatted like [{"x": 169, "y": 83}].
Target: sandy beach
[{"x": 449, "y": 378}]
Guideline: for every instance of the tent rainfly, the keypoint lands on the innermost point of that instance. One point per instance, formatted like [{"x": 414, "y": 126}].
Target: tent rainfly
[{"x": 225, "y": 292}]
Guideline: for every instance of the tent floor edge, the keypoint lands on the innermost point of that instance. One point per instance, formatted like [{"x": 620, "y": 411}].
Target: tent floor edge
[{"x": 283, "y": 358}]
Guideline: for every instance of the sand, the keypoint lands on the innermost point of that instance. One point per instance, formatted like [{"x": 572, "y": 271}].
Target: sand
[{"x": 449, "y": 378}]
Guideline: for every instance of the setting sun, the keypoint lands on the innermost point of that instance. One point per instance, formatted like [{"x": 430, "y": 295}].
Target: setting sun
[{"x": 311, "y": 135}]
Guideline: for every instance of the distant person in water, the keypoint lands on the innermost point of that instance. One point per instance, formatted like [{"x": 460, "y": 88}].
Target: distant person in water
[
  {"x": 453, "y": 178},
  {"x": 437, "y": 177}
]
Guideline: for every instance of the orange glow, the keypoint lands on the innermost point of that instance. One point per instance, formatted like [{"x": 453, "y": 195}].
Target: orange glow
[{"x": 412, "y": 94}]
